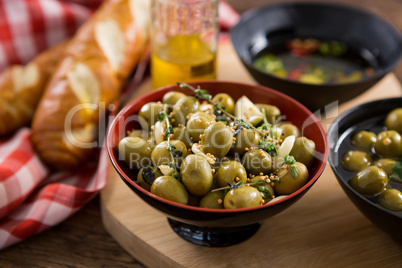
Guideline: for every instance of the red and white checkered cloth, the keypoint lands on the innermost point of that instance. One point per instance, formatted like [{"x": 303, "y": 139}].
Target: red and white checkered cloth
[{"x": 32, "y": 199}]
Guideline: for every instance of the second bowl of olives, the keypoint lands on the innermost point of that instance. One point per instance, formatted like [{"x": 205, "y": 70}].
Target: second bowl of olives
[{"x": 366, "y": 157}]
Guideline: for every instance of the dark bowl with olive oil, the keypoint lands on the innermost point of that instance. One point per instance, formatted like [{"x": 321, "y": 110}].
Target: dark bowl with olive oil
[
  {"x": 316, "y": 53},
  {"x": 368, "y": 117},
  {"x": 219, "y": 227}
]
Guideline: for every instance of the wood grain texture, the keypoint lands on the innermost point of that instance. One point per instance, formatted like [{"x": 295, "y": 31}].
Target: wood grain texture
[
  {"x": 322, "y": 229},
  {"x": 82, "y": 241}
]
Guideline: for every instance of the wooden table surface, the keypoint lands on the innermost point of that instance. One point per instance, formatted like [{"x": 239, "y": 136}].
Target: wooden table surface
[{"x": 82, "y": 241}]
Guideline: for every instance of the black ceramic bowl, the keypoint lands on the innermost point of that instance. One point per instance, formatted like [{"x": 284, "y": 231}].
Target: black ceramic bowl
[
  {"x": 220, "y": 227},
  {"x": 376, "y": 40},
  {"x": 369, "y": 116}
]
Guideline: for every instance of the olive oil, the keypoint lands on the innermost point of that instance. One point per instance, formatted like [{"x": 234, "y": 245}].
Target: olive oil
[
  {"x": 314, "y": 61},
  {"x": 183, "y": 58}
]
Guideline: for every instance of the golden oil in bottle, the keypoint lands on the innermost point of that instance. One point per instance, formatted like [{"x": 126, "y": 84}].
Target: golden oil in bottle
[{"x": 183, "y": 58}]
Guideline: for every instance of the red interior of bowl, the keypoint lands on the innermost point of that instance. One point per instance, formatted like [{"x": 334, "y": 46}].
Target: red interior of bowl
[{"x": 293, "y": 110}]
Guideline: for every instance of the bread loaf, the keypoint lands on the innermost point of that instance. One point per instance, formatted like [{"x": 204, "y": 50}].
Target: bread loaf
[
  {"x": 21, "y": 88},
  {"x": 97, "y": 62}
]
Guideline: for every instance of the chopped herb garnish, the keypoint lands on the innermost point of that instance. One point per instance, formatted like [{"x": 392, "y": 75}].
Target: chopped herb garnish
[
  {"x": 169, "y": 130},
  {"x": 289, "y": 159},
  {"x": 171, "y": 147},
  {"x": 161, "y": 116},
  {"x": 396, "y": 174},
  {"x": 269, "y": 147},
  {"x": 177, "y": 154},
  {"x": 295, "y": 172},
  {"x": 266, "y": 194}
]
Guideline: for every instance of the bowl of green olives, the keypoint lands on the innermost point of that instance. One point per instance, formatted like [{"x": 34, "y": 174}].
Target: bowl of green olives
[
  {"x": 366, "y": 157},
  {"x": 217, "y": 158}
]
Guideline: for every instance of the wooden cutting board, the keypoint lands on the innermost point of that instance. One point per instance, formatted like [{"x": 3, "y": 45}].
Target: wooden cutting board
[{"x": 323, "y": 229}]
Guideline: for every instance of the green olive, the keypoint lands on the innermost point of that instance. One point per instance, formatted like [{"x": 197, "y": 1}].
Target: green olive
[
  {"x": 226, "y": 158},
  {"x": 183, "y": 107},
  {"x": 243, "y": 197},
  {"x": 196, "y": 174},
  {"x": 217, "y": 139},
  {"x": 150, "y": 112},
  {"x": 212, "y": 200},
  {"x": 391, "y": 199},
  {"x": 393, "y": 121},
  {"x": 197, "y": 124},
  {"x": 263, "y": 187},
  {"x": 187, "y": 105},
  {"x": 272, "y": 112},
  {"x": 288, "y": 129},
  {"x": 387, "y": 164},
  {"x": 136, "y": 152},
  {"x": 356, "y": 160},
  {"x": 161, "y": 156},
  {"x": 303, "y": 151},
  {"x": 287, "y": 183},
  {"x": 246, "y": 139},
  {"x": 256, "y": 161},
  {"x": 226, "y": 101},
  {"x": 172, "y": 97},
  {"x": 171, "y": 189},
  {"x": 369, "y": 181},
  {"x": 140, "y": 133},
  {"x": 231, "y": 172},
  {"x": 364, "y": 140},
  {"x": 388, "y": 144},
  {"x": 149, "y": 170},
  {"x": 181, "y": 134}
]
